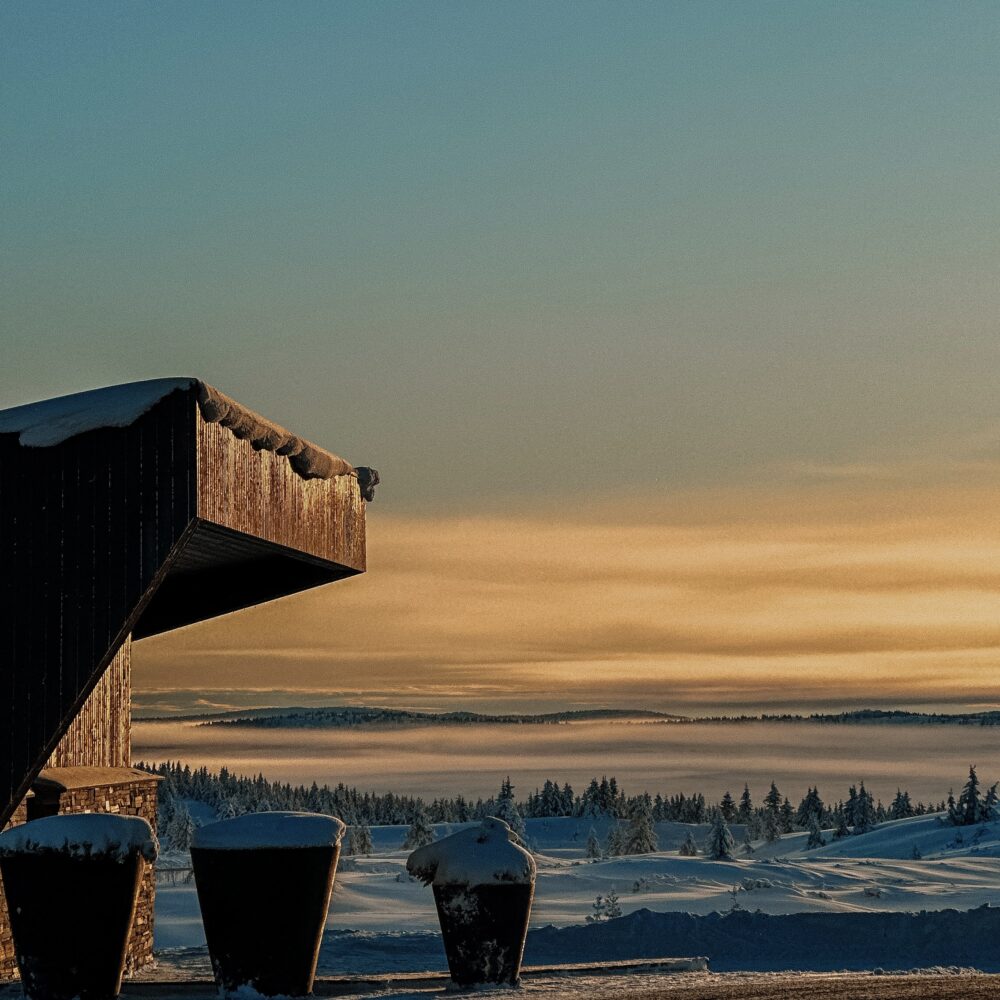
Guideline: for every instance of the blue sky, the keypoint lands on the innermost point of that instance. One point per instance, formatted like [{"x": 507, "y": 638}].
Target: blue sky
[
  {"x": 618, "y": 267},
  {"x": 696, "y": 239}
]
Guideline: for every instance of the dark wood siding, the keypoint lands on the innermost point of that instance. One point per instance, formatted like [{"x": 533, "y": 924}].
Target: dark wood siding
[
  {"x": 100, "y": 734},
  {"x": 85, "y": 526},
  {"x": 122, "y": 532},
  {"x": 256, "y": 493}
]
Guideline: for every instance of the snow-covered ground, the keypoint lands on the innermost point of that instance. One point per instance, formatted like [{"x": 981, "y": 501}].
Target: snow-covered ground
[{"x": 383, "y": 920}]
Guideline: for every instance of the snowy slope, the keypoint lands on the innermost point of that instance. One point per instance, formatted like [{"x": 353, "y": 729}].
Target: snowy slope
[{"x": 383, "y": 919}]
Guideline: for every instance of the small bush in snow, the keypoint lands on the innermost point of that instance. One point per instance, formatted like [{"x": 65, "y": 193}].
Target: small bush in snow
[
  {"x": 593, "y": 849},
  {"x": 689, "y": 848},
  {"x": 605, "y": 908}
]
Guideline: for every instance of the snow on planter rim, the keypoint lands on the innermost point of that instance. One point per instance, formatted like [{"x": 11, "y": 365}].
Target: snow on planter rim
[
  {"x": 258, "y": 831},
  {"x": 82, "y": 835},
  {"x": 481, "y": 855}
]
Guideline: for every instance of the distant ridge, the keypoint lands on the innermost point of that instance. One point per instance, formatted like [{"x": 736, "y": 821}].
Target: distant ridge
[{"x": 352, "y": 716}]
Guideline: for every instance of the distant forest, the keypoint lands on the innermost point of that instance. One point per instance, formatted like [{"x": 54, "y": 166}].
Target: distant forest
[
  {"x": 355, "y": 716},
  {"x": 229, "y": 795}
]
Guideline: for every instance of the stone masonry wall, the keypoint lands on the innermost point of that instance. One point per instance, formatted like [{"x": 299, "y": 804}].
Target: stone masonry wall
[
  {"x": 133, "y": 798},
  {"x": 8, "y": 964}
]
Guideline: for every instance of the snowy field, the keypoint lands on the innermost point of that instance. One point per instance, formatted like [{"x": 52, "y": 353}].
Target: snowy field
[{"x": 382, "y": 921}]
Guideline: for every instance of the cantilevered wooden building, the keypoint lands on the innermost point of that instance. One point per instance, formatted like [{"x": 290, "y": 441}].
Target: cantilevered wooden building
[{"x": 125, "y": 512}]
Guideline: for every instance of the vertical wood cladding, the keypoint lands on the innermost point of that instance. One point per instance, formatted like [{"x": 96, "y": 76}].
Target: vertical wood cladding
[
  {"x": 85, "y": 527},
  {"x": 100, "y": 734},
  {"x": 254, "y": 492},
  {"x": 131, "y": 531}
]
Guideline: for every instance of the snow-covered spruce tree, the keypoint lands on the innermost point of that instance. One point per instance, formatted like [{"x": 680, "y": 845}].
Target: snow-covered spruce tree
[
  {"x": 180, "y": 829},
  {"x": 970, "y": 804},
  {"x": 598, "y": 911},
  {"x": 689, "y": 848},
  {"x": 840, "y": 827},
  {"x": 420, "y": 832},
  {"x": 772, "y": 801},
  {"x": 506, "y": 808},
  {"x": 612, "y": 905},
  {"x": 359, "y": 840},
  {"x": 990, "y": 805},
  {"x": 901, "y": 807},
  {"x": 815, "y": 838},
  {"x": 593, "y": 849},
  {"x": 748, "y": 847},
  {"x": 812, "y": 804},
  {"x": 720, "y": 844},
  {"x": 229, "y": 808},
  {"x": 640, "y": 837},
  {"x": 615, "y": 845},
  {"x": 772, "y": 826},
  {"x": 728, "y": 808},
  {"x": 865, "y": 817},
  {"x": 745, "y": 810}
]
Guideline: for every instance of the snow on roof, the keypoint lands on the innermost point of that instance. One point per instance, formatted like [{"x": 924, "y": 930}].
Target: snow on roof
[
  {"x": 481, "y": 855},
  {"x": 82, "y": 835},
  {"x": 270, "y": 829},
  {"x": 52, "y": 421}
]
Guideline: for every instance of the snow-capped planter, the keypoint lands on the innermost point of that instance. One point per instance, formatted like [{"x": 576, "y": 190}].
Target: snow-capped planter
[
  {"x": 483, "y": 885},
  {"x": 71, "y": 884},
  {"x": 264, "y": 883}
]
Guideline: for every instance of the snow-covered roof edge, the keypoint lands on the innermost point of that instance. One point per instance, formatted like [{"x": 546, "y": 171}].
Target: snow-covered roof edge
[{"x": 52, "y": 421}]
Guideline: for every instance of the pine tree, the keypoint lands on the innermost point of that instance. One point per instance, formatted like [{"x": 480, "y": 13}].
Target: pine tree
[
  {"x": 840, "y": 827},
  {"x": 420, "y": 832},
  {"x": 748, "y": 847},
  {"x": 865, "y": 817},
  {"x": 969, "y": 806},
  {"x": 772, "y": 827},
  {"x": 745, "y": 810},
  {"x": 787, "y": 815},
  {"x": 728, "y": 808},
  {"x": 180, "y": 828},
  {"x": 359, "y": 839},
  {"x": 640, "y": 837},
  {"x": 506, "y": 809},
  {"x": 989, "y": 810},
  {"x": 689, "y": 848},
  {"x": 952, "y": 809},
  {"x": 593, "y": 850},
  {"x": 615, "y": 845},
  {"x": 720, "y": 844},
  {"x": 772, "y": 801},
  {"x": 612, "y": 905},
  {"x": 815, "y": 838},
  {"x": 851, "y": 806},
  {"x": 599, "y": 911},
  {"x": 901, "y": 807},
  {"x": 811, "y": 805}
]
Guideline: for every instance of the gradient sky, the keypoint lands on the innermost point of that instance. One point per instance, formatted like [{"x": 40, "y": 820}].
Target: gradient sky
[{"x": 620, "y": 298}]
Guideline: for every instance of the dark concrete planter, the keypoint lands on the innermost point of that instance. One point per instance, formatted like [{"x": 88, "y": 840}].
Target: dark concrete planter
[
  {"x": 264, "y": 911},
  {"x": 70, "y": 918},
  {"x": 484, "y": 928}
]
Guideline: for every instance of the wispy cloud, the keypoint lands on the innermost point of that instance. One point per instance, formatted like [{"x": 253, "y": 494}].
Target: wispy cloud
[{"x": 790, "y": 594}]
